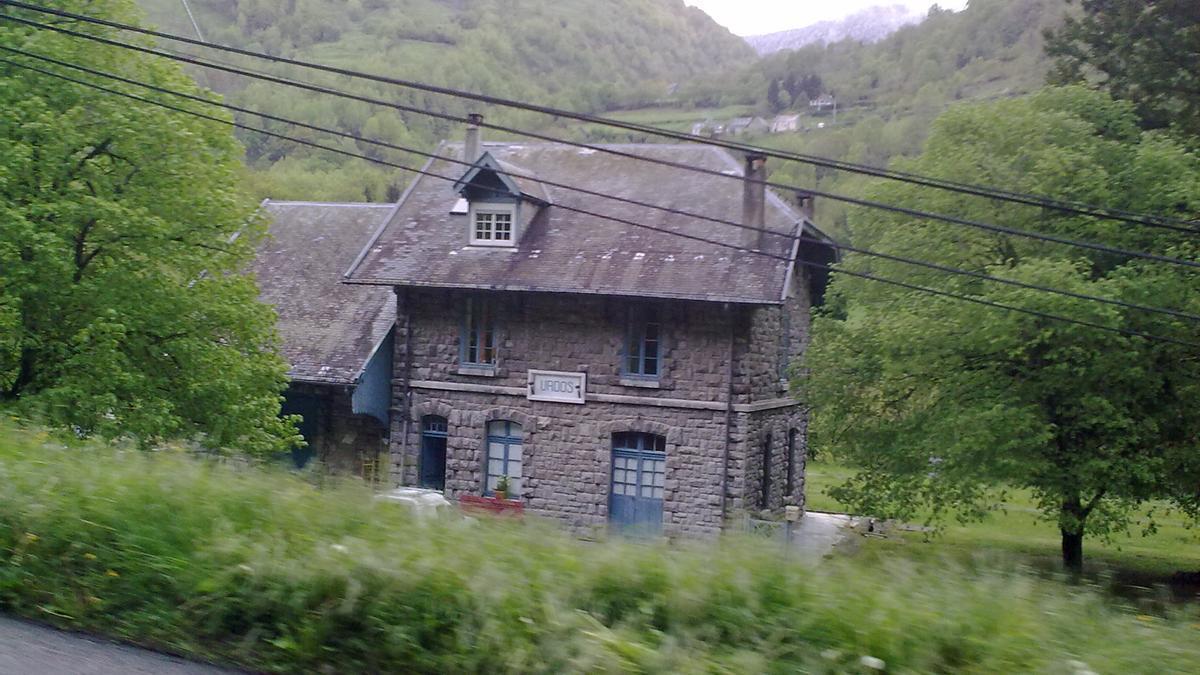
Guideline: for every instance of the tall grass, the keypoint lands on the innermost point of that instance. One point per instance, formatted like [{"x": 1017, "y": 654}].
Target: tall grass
[{"x": 260, "y": 568}]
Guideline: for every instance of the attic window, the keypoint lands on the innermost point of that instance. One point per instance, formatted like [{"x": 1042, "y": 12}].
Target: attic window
[{"x": 493, "y": 225}]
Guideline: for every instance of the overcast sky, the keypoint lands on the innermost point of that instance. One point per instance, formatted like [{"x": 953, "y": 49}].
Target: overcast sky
[{"x": 755, "y": 17}]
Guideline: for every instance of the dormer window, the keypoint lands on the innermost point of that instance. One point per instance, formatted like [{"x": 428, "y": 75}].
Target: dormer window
[
  {"x": 493, "y": 224},
  {"x": 502, "y": 201}
]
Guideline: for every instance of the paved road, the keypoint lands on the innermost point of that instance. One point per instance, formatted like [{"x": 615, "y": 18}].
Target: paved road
[
  {"x": 817, "y": 533},
  {"x": 30, "y": 649}
]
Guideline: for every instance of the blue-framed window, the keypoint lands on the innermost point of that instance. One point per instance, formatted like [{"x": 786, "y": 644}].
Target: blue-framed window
[
  {"x": 643, "y": 343},
  {"x": 503, "y": 455},
  {"x": 478, "y": 340},
  {"x": 639, "y": 482}
]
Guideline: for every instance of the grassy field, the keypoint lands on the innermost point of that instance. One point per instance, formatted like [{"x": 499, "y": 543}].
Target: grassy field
[
  {"x": 259, "y": 568},
  {"x": 1017, "y": 528}
]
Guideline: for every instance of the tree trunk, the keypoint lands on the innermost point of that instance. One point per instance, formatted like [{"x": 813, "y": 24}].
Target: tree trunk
[
  {"x": 1072, "y": 550},
  {"x": 1071, "y": 526},
  {"x": 24, "y": 375}
]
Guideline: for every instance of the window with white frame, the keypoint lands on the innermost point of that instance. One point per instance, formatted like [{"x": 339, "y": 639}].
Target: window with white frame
[{"x": 493, "y": 225}]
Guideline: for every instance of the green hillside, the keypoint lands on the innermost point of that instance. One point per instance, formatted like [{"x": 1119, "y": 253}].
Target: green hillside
[
  {"x": 888, "y": 92},
  {"x": 594, "y": 55}
]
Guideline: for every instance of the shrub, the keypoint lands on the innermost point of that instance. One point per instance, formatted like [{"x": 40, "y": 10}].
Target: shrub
[{"x": 255, "y": 567}]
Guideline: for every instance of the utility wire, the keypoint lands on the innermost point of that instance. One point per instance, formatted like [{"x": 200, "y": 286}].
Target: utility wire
[
  {"x": 195, "y": 25},
  {"x": 1042, "y": 201},
  {"x": 673, "y": 211},
  {"x": 915, "y": 213},
  {"x": 924, "y": 289}
]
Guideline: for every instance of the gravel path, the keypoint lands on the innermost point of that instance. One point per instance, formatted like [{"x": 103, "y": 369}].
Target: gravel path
[{"x": 31, "y": 649}]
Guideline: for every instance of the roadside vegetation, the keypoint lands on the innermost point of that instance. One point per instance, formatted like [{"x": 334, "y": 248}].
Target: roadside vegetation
[{"x": 259, "y": 568}]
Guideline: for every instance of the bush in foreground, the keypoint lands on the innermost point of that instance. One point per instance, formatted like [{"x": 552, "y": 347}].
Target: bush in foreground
[{"x": 259, "y": 568}]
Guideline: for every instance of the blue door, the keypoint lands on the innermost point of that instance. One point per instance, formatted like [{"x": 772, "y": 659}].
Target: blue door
[
  {"x": 432, "y": 467},
  {"x": 639, "y": 469}
]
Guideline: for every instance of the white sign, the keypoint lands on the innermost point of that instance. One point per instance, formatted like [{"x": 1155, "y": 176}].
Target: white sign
[{"x": 547, "y": 385}]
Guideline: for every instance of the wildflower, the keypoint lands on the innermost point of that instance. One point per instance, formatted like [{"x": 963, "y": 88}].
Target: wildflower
[
  {"x": 872, "y": 663},
  {"x": 1144, "y": 617},
  {"x": 89, "y": 556},
  {"x": 31, "y": 537},
  {"x": 339, "y": 548},
  {"x": 112, "y": 573}
]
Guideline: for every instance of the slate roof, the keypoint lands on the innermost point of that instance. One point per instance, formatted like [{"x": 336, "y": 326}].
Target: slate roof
[
  {"x": 521, "y": 181},
  {"x": 329, "y": 329},
  {"x": 422, "y": 244}
]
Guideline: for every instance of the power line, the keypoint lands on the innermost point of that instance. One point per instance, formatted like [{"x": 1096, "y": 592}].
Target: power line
[
  {"x": 195, "y": 25},
  {"x": 572, "y": 188},
  {"x": 915, "y": 213},
  {"x": 980, "y": 301},
  {"x": 1065, "y": 206}
]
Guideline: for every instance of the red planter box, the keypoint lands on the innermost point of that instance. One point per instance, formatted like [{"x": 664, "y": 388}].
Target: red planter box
[{"x": 491, "y": 505}]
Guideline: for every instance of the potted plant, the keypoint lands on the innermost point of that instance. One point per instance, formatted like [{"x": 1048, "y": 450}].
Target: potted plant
[{"x": 501, "y": 490}]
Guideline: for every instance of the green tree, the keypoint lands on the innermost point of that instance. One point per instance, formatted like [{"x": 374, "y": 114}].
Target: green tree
[
  {"x": 943, "y": 404},
  {"x": 1141, "y": 51},
  {"x": 774, "y": 97},
  {"x": 123, "y": 307}
]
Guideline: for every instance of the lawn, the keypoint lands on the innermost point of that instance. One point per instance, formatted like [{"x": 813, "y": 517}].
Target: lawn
[{"x": 1016, "y": 528}]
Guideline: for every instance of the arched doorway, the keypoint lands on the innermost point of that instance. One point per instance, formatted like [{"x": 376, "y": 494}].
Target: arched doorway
[
  {"x": 432, "y": 467},
  {"x": 639, "y": 469}
]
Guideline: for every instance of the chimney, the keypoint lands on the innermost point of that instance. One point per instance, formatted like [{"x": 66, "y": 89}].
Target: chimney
[
  {"x": 754, "y": 200},
  {"x": 804, "y": 200},
  {"x": 471, "y": 151}
]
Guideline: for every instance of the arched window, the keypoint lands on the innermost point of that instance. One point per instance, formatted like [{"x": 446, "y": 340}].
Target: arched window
[
  {"x": 503, "y": 455},
  {"x": 432, "y": 466}
]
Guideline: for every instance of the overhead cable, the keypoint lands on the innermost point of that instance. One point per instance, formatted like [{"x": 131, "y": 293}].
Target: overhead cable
[
  {"x": 1074, "y": 207},
  {"x": 426, "y": 172},
  {"x": 674, "y": 211},
  {"x": 915, "y": 213}
]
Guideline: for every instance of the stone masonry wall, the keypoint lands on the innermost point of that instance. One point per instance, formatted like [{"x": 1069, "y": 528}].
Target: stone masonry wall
[
  {"x": 567, "y": 448},
  {"x": 577, "y": 334},
  {"x": 567, "y": 455}
]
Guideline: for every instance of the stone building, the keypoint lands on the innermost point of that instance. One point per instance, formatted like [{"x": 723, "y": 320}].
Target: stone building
[
  {"x": 614, "y": 374},
  {"x": 336, "y": 338}
]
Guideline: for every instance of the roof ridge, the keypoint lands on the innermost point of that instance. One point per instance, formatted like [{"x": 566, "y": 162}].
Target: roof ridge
[{"x": 300, "y": 202}]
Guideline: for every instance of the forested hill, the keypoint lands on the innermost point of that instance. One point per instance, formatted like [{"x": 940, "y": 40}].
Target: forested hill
[
  {"x": 890, "y": 92},
  {"x": 594, "y": 55}
]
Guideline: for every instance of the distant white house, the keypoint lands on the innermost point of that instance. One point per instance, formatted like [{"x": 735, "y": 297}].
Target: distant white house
[
  {"x": 823, "y": 101},
  {"x": 747, "y": 125},
  {"x": 785, "y": 123},
  {"x": 707, "y": 129}
]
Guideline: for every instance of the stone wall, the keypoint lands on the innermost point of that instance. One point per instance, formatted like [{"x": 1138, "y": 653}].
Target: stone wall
[
  {"x": 567, "y": 448},
  {"x": 567, "y": 455},
  {"x": 573, "y": 333}
]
